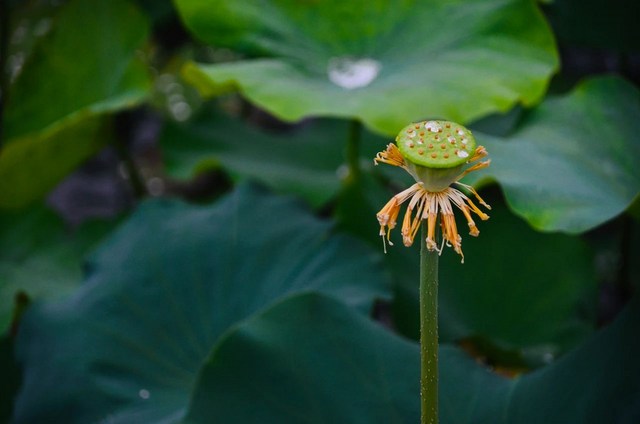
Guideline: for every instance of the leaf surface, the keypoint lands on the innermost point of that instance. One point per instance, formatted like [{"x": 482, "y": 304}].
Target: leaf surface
[
  {"x": 128, "y": 345},
  {"x": 385, "y": 63},
  {"x": 55, "y": 108}
]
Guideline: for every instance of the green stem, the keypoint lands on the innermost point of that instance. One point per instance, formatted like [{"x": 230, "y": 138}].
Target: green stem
[
  {"x": 353, "y": 150},
  {"x": 136, "y": 180},
  {"x": 428, "y": 331}
]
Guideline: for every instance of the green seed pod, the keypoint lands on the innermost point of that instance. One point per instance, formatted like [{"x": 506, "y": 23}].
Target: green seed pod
[
  {"x": 437, "y": 154},
  {"x": 436, "y": 144},
  {"x": 436, "y": 151}
]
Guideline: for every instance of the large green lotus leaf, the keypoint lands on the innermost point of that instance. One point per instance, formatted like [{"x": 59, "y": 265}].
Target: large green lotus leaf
[
  {"x": 571, "y": 163},
  {"x": 40, "y": 257},
  {"x": 29, "y": 166},
  {"x": 343, "y": 368},
  {"x": 385, "y": 63},
  {"x": 512, "y": 295},
  {"x": 326, "y": 365},
  {"x": 85, "y": 67},
  {"x": 599, "y": 382},
  {"x": 128, "y": 345},
  {"x": 305, "y": 161},
  {"x": 522, "y": 292}
]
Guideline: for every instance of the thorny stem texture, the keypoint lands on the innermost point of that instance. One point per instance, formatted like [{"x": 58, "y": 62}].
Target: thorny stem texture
[{"x": 428, "y": 331}]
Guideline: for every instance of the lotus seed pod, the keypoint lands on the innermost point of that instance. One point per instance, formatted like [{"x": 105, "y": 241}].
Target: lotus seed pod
[
  {"x": 437, "y": 154},
  {"x": 436, "y": 144},
  {"x": 436, "y": 151}
]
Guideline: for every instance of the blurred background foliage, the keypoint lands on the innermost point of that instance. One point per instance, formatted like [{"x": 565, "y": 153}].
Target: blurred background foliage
[{"x": 188, "y": 199}]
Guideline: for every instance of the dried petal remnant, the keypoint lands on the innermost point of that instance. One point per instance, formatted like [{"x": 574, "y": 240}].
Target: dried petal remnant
[{"x": 391, "y": 156}]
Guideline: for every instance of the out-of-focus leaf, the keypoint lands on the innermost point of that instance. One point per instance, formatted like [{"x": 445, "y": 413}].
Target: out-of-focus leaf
[
  {"x": 326, "y": 365},
  {"x": 597, "y": 383},
  {"x": 52, "y": 115},
  {"x": 108, "y": 77},
  {"x": 519, "y": 291},
  {"x": 571, "y": 164},
  {"x": 385, "y": 63},
  {"x": 301, "y": 161},
  {"x": 344, "y": 368},
  {"x": 305, "y": 160},
  {"x": 498, "y": 124},
  {"x": 40, "y": 257},
  {"x": 31, "y": 166},
  {"x": 128, "y": 345}
]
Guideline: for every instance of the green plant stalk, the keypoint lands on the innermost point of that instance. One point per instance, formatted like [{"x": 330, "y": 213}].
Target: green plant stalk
[
  {"x": 428, "y": 331},
  {"x": 353, "y": 150},
  {"x": 136, "y": 180}
]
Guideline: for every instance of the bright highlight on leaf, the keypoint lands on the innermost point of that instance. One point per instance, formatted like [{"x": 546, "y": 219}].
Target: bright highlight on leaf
[{"x": 352, "y": 73}]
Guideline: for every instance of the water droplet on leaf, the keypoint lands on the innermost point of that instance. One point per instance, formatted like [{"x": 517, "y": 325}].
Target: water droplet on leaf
[{"x": 350, "y": 73}]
